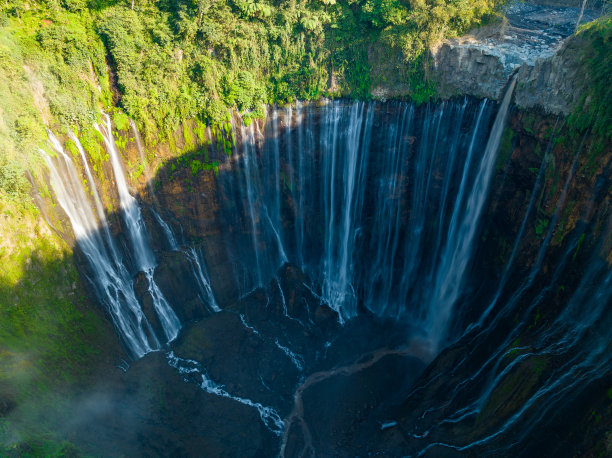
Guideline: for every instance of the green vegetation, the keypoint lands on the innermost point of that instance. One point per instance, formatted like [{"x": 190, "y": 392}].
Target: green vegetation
[
  {"x": 48, "y": 342},
  {"x": 197, "y": 166},
  {"x": 541, "y": 226},
  {"x": 51, "y": 65},
  {"x": 515, "y": 347},
  {"x": 53, "y": 70},
  {"x": 194, "y": 59},
  {"x": 580, "y": 242},
  {"x": 505, "y": 148},
  {"x": 595, "y": 108},
  {"x": 536, "y": 320},
  {"x": 171, "y": 61}
]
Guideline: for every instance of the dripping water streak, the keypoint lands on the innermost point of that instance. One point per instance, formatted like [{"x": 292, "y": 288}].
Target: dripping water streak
[
  {"x": 191, "y": 372},
  {"x": 201, "y": 276},
  {"x": 167, "y": 231},
  {"x": 457, "y": 256},
  {"x": 111, "y": 280},
  {"x": 138, "y": 235}
]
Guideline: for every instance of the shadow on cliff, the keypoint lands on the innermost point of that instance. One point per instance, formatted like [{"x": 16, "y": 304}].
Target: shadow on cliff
[
  {"x": 245, "y": 361},
  {"x": 249, "y": 357},
  {"x": 55, "y": 344},
  {"x": 545, "y": 229}
]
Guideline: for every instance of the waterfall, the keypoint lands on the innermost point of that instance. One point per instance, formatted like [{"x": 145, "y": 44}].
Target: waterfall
[
  {"x": 110, "y": 277},
  {"x": 272, "y": 163},
  {"x": 129, "y": 207},
  {"x": 198, "y": 268},
  {"x": 463, "y": 229},
  {"x": 521, "y": 231},
  {"x": 248, "y": 147},
  {"x": 387, "y": 189},
  {"x": 382, "y": 206},
  {"x": 92, "y": 188},
  {"x": 378, "y": 203},
  {"x": 201, "y": 276},
  {"x": 251, "y": 205},
  {"x": 298, "y": 202},
  {"x": 167, "y": 231},
  {"x": 141, "y": 155},
  {"x": 139, "y": 147},
  {"x": 344, "y": 159},
  {"x": 144, "y": 258}
]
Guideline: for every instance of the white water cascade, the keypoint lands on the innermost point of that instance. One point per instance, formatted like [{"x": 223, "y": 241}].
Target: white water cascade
[
  {"x": 378, "y": 203},
  {"x": 201, "y": 276},
  {"x": 382, "y": 208},
  {"x": 167, "y": 231},
  {"x": 463, "y": 228},
  {"x": 345, "y": 153},
  {"x": 112, "y": 281},
  {"x": 144, "y": 258},
  {"x": 110, "y": 274}
]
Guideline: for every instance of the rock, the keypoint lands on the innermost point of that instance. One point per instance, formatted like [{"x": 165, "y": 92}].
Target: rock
[
  {"x": 149, "y": 311},
  {"x": 326, "y": 318},
  {"x": 141, "y": 288},
  {"x": 150, "y": 410},
  {"x": 556, "y": 83},
  {"x": 141, "y": 285},
  {"x": 175, "y": 276},
  {"x": 533, "y": 41},
  {"x": 248, "y": 362}
]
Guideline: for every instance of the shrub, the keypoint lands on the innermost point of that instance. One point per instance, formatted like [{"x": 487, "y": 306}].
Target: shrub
[
  {"x": 595, "y": 107},
  {"x": 12, "y": 179}
]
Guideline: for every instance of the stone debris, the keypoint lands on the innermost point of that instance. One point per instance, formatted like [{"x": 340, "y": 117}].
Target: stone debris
[
  {"x": 481, "y": 63},
  {"x": 533, "y": 32}
]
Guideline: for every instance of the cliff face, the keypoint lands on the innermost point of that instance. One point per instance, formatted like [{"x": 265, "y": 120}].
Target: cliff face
[
  {"x": 548, "y": 216},
  {"x": 556, "y": 83},
  {"x": 550, "y": 189},
  {"x": 533, "y": 41},
  {"x": 189, "y": 184},
  {"x": 545, "y": 232}
]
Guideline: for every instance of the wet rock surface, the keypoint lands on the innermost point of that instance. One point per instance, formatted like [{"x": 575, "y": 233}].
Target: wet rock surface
[
  {"x": 479, "y": 396},
  {"x": 229, "y": 381},
  {"x": 232, "y": 378},
  {"x": 175, "y": 277}
]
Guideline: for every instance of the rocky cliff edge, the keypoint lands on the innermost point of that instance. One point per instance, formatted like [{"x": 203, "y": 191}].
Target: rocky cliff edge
[{"x": 537, "y": 41}]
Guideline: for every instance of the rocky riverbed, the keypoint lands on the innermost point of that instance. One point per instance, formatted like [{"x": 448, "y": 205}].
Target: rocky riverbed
[{"x": 531, "y": 39}]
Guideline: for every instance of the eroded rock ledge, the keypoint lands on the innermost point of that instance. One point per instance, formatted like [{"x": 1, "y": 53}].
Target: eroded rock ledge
[{"x": 534, "y": 40}]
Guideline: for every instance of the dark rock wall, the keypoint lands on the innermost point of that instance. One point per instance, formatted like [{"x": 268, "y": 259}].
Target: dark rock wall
[
  {"x": 533, "y": 39},
  {"x": 551, "y": 189}
]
